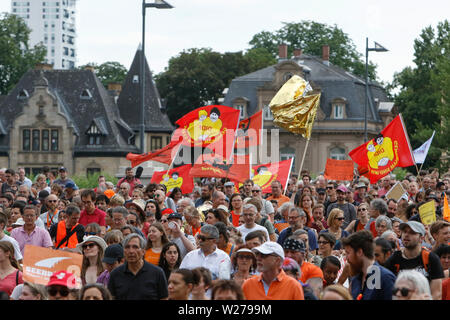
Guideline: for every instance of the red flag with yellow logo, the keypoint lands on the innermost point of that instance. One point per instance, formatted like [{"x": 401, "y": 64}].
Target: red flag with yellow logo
[
  {"x": 177, "y": 177},
  {"x": 213, "y": 127},
  {"x": 390, "y": 149},
  {"x": 264, "y": 174},
  {"x": 236, "y": 170}
]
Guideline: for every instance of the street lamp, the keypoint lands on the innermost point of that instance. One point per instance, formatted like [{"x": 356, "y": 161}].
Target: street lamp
[
  {"x": 377, "y": 48},
  {"x": 158, "y": 4}
]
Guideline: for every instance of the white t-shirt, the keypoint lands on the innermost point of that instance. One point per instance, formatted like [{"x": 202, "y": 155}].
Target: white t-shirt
[
  {"x": 244, "y": 231},
  {"x": 218, "y": 263},
  {"x": 17, "y": 253}
]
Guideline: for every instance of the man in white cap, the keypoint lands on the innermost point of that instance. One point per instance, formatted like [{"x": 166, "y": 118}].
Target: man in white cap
[
  {"x": 272, "y": 283},
  {"x": 413, "y": 256}
]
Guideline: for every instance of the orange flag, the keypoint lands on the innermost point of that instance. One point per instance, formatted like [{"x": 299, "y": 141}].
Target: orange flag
[
  {"x": 390, "y": 149},
  {"x": 265, "y": 174},
  {"x": 339, "y": 170},
  {"x": 446, "y": 209}
]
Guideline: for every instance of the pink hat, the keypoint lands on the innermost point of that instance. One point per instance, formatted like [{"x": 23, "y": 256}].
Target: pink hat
[
  {"x": 63, "y": 278},
  {"x": 341, "y": 188}
]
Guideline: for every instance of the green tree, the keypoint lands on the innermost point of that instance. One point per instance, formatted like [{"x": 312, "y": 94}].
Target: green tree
[
  {"x": 310, "y": 36},
  {"x": 16, "y": 56},
  {"x": 197, "y": 77},
  {"x": 107, "y": 72},
  {"x": 424, "y": 91}
]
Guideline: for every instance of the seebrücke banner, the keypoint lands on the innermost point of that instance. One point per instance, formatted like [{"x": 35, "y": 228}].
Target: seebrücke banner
[{"x": 40, "y": 263}]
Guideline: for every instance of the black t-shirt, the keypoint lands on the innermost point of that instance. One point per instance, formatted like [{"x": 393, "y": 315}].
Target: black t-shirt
[
  {"x": 79, "y": 230},
  {"x": 397, "y": 262}
]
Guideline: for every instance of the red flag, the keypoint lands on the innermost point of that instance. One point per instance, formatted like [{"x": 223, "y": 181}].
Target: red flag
[
  {"x": 163, "y": 155},
  {"x": 237, "y": 170},
  {"x": 211, "y": 126},
  {"x": 177, "y": 177},
  {"x": 250, "y": 131},
  {"x": 339, "y": 170},
  {"x": 390, "y": 149},
  {"x": 265, "y": 174}
]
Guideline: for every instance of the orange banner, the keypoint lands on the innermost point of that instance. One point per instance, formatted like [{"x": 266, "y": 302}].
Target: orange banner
[
  {"x": 40, "y": 263},
  {"x": 339, "y": 170}
]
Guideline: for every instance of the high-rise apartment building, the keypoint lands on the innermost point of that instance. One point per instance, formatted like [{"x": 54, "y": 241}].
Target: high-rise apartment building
[{"x": 53, "y": 24}]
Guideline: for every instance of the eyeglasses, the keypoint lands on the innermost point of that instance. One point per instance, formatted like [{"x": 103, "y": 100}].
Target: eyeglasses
[
  {"x": 89, "y": 245},
  {"x": 362, "y": 209},
  {"x": 340, "y": 218},
  {"x": 133, "y": 222},
  {"x": 322, "y": 242},
  {"x": 256, "y": 190},
  {"x": 63, "y": 292},
  {"x": 90, "y": 234},
  {"x": 203, "y": 238},
  {"x": 164, "y": 220},
  {"x": 52, "y": 200},
  {"x": 403, "y": 291}
]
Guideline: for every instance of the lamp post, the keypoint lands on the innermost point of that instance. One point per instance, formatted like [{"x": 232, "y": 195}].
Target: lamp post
[
  {"x": 158, "y": 4},
  {"x": 377, "y": 48}
]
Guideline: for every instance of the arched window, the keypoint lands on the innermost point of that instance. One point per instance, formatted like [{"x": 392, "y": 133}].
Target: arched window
[{"x": 338, "y": 153}]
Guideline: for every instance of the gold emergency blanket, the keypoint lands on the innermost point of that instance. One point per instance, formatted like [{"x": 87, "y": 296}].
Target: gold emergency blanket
[{"x": 292, "y": 109}]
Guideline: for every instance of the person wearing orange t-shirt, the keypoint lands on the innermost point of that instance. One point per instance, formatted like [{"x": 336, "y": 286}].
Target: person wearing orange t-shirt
[
  {"x": 272, "y": 283},
  {"x": 277, "y": 193},
  {"x": 156, "y": 239},
  {"x": 310, "y": 273}
]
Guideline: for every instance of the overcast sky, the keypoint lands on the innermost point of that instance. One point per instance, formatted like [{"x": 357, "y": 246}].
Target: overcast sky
[{"x": 111, "y": 30}]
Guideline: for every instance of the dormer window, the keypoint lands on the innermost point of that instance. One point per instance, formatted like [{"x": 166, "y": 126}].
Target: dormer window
[
  {"x": 338, "y": 108},
  {"x": 86, "y": 94},
  {"x": 241, "y": 104},
  {"x": 23, "y": 94},
  {"x": 94, "y": 134},
  {"x": 135, "y": 78}
]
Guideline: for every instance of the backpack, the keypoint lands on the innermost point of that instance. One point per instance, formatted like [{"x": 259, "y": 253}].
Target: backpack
[{"x": 425, "y": 260}]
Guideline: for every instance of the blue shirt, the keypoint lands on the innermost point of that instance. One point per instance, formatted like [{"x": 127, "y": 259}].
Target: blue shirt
[
  {"x": 312, "y": 239},
  {"x": 378, "y": 285}
]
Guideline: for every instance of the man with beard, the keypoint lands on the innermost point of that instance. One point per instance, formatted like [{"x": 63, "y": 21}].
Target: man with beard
[
  {"x": 207, "y": 191},
  {"x": 371, "y": 281},
  {"x": 413, "y": 256},
  {"x": 130, "y": 179}
]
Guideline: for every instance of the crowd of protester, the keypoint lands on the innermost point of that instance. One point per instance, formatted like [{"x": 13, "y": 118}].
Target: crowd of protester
[{"x": 314, "y": 239}]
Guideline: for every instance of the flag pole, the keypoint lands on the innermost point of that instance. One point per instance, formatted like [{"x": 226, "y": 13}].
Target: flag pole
[{"x": 303, "y": 158}]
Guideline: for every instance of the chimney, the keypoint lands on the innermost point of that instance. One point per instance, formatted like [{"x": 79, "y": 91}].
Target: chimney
[
  {"x": 115, "y": 86},
  {"x": 43, "y": 66},
  {"x": 297, "y": 52},
  {"x": 326, "y": 54},
  {"x": 89, "y": 67},
  {"x": 282, "y": 51}
]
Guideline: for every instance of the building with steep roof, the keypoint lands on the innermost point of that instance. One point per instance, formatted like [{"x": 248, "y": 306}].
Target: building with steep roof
[
  {"x": 68, "y": 118},
  {"x": 339, "y": 124}
]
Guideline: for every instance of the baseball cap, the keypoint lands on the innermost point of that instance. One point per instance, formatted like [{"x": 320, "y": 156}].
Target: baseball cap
[
  {"x": 109, "y": 193},
  {"x": 63, "y": 278},
  {"x": 224, "y": 208},
  {"x": 71, "y": 185},
  {"x": 113, "y": 253},
  {"x": 43, "y": 194},
  {"x": 295, "y": 245},
  {"x": 360, "y": 185},
  {"x": 175, "y": 215},
  {"x": 270, "y": 247},
  {"x": 229, "y": 184},
  {"x": 62, "y": 169},
  {"x": 415, "y": 226},
  {"x": 19, "y": 222},
  {"x": 341, "y": 188},
  {"x": 321, "y": 191}
]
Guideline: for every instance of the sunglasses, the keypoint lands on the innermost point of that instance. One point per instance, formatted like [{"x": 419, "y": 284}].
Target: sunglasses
[
  {"x": 403, "y": 291},
  {"x": 330, "y": 188},
  {"x": 63, "y": 292},
  {"x": 256, "y": 190},
  {"x": 89, "y": 245},
  {"x": 164, "y": 220},
  {"x": 245, "y": 257},
  {"x": 340, "y": 218},
  {"x": 90, "y": 234},
  {"x": 362, "y": 209},
  {"x": 52, "y": 200},
  {"x": 203, "y": 238}
]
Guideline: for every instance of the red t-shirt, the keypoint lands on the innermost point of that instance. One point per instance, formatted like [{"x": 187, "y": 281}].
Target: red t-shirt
[
  {"x": 98, "y": 217},
  {"x": 8, "y": 283}
]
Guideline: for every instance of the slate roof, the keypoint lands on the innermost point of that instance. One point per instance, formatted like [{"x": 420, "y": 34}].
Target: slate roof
[
  {"x": 333, "y": 81},
  {"x": 129, "y": 101},
  {"x": 67, "y": 86}
]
